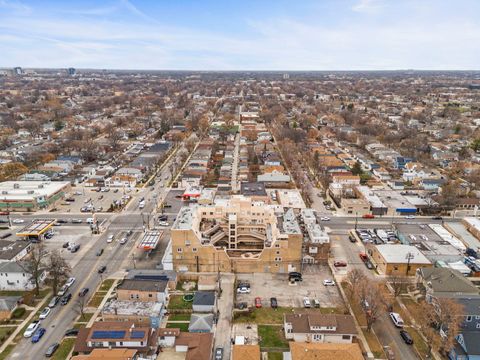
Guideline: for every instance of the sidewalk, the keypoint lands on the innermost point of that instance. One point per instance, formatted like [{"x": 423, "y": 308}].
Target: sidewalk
[{"x": 25, "y": 322}]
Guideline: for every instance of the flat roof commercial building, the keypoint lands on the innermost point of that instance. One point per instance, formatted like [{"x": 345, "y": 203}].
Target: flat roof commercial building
[
  {"x": 31, "y": 195},
  {"x": 398, "y": 259}
]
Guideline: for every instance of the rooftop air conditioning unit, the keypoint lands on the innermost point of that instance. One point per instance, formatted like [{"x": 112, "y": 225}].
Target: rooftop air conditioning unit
[
  {"x": 40, "y": 186},
  {"x": 16, "y": 186}
]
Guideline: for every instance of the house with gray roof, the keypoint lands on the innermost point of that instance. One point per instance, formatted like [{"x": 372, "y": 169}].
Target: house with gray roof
[
  {"x": 444, "y": 283},
  {"x": 204, "y": 301},
  {"x": 201, "y": 323}
]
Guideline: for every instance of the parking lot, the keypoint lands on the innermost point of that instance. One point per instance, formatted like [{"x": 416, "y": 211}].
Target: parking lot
[
  {"x": 265, "y": 286},
  {"x": 82, "y": 196}
]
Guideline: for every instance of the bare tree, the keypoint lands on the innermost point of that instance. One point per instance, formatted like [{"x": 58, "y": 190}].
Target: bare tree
[
  {"x": 372, "y": 296},
  {"x": 58, "y": 270},
  {"x": 398, "y": 284},
  {"x": 34, "y": 265},
  {"x": 440, "y": 323},
  {"x": 354, "y": 279},
  {"x": 80, "y": 305}
]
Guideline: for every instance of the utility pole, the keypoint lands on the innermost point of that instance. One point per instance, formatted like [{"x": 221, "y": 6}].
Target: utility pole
[
  {"x": 356, "y": 219},
  {"x": 409, "y": 257}
]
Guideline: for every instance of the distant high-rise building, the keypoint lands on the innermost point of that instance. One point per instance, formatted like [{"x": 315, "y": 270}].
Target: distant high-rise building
[
  {"x": 286, "y": 76},
  {"x": 71, "y": 71},
  {"x": 18, "y": 70}
]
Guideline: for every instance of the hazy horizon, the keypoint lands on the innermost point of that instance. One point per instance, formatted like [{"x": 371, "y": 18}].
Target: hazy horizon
[{"x": 344, "y": 35}]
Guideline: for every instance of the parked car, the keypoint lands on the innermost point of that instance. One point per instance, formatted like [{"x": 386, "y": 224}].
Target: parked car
[
  {"x": 75, "y": 248},
  {"x": 242, "y": 305},
  {"x": 18, "y": 221},
  {"x": 409, "y": 217},
  {"x": 243, "y": 290},
  {"x": 306, "y": 302},
  {"x": 339, "y": 263},
  {"x": 38, "y": 335},
  {"x": 54, "y": 302},
  {"x": 83, "y": 292},
  {"x": 100, "y": 252},
  {"x": 437, "y": 218},
  {"x": 110, "y": 238},
  {"x": 77, "y": 221},
  {"x": 406, "y": 337},
  {"x": 396, "y": 319},
  {"x": 51, "y": 350},
  {"x": 328, "y": 282},
  {"x": 65, "y": 245},
  {"x": 368, "y": 216},
  {"x": 218, "y": 353},
  {"x": 71, "y": 332},
  {"x": 163, "y": 218},
  {"x": 63, "y": 290},
  {"x": 258, "y": 302},
  {"x": 44, "y": 313},
  {"x": 31, "y": 329},
  {"x": 70, "y": 281},
  {"x": 325, "y": 218},
  {"x": 123, "y": 240},
  {"x": 352, "y": 238},
  {"x": 163, "y": 223},
  {"x": 66, "y": 299},
  {"x": 273, "y": 303},
  {"x": 102, "y": 269},
  {"x": 294, "y": 276}
]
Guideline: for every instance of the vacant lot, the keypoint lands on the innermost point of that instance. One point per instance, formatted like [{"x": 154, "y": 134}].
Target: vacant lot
[
  {"x": 275, "y": 316},
  {"x": 271, "y": 336}
]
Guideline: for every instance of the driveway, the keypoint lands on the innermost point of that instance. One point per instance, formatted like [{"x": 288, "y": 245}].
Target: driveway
[{"x": 225, "y": 307}]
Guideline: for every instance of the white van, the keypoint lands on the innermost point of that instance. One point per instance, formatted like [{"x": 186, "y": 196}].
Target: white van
[
  {"x": 141, "y": 205},
  {"x": 396, "y": 319},
  {"x": 90, "y": 221}
]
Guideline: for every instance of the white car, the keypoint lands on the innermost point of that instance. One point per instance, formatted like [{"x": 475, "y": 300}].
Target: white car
[
  {"x": 44, "y": 313},
  {"x": 409, "y": 217},
  {"x": 110, "y": 238},
  {"x": 163, "y": 223},
  {"x": 70, "y": 281},
  {"x": 325, "y": 218},
  {"x": 306, "y": 302},
  {"x": 123, "y": 240},
  {"x": 243, "y": 290},
  {"x": 63, "y": 290},
  {"x": 31, "y": 329},
  {"x": 328, "y": 282},
  {"x": 18, "y": 221}
]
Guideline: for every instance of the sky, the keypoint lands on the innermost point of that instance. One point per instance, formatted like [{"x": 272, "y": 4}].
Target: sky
[{"x": 241, "y": 35}]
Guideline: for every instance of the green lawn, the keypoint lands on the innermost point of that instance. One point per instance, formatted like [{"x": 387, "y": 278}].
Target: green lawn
[
  {"x": 182, "y": 326},
  {"x": 86, "y": 317},
  {"x": 95, "y": 301},
  {"x": 275, "y": 356},
  {"x": 6, "y": 352},
  {"x": 12, "y": 293},
  {"x": 5, "y": 332},
  {"x": 374, "y": 344},
  {"x": 419, "y": 343},
  {"x": 179, "y": 317},
  {"x": 177, "y": 302},
  {"x": 106, "y": 284},
  {"x": 267, "y": 315},
  {"x": 64, "y": 349},
  {"x": 79, "y": 326},
  {"x": 272, "y": 336}
]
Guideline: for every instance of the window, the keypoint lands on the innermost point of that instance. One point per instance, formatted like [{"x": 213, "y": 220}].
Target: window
[
  {"x": 194, "y": 249},
  {"x": 469, "y": 318},
  {"x": 187, "y": 242},
  {"x": 278, "y": 252},
  {"x": 317, "y": 337},
  {"x": 179, "y": 250},
  {"x": 232, "y": 226},
  {"x": 150, "y": 295},
  {"x": 345, "y": 337},
  {"x": 232, "y": 233},
  {"x": 478, "y": 326},
  {"x": 277, "y": 245}
]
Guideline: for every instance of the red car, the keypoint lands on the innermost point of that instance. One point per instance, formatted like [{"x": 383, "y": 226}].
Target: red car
[
  {"x": 339, "y": 264},
  {"x": 368, "y": 216},
  {"x": 363, "y": 256},
  {"x": 258, "y": 302}
]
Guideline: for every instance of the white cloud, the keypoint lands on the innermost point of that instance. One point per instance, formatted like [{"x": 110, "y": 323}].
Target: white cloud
[{"x": 368, "y": 6}]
